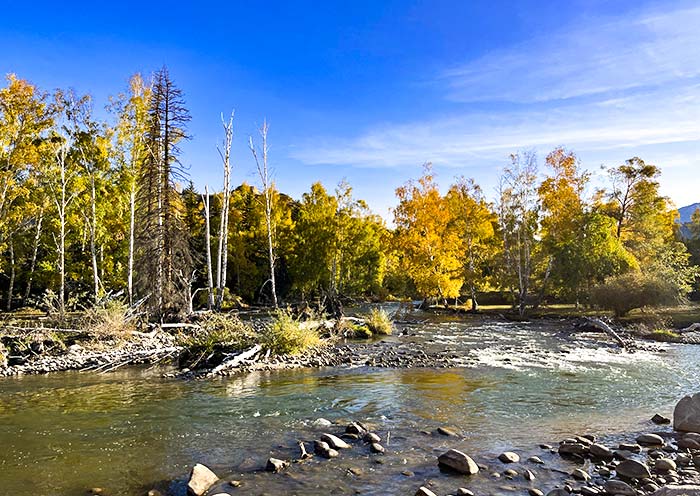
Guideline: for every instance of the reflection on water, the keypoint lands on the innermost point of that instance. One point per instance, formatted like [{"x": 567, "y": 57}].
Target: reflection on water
[{"x": 523, "y": 384}]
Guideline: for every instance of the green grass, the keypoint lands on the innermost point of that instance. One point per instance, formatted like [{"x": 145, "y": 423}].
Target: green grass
[
  {"x": 289, "y": 336},
  {"x": 379, "y": 322}
]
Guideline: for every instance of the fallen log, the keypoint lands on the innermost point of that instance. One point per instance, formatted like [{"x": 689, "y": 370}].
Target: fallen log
[
  {"x": 602, "y": 326},
  {"x": 691, "y": 328},
  {"x": 236, "y": 360}
]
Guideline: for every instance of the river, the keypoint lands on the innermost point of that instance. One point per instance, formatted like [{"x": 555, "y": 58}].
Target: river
[{"x": 513, "y": 386}]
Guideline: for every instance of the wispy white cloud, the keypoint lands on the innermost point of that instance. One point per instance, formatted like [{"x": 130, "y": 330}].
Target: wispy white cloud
[
  {"x": 655, "y": 117},
  {"x": 589, "y": 57}
]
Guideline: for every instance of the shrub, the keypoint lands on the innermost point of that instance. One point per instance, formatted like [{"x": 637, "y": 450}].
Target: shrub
[
  {"x": 217, "y": 329},
  {"x": 378, "y": 322},
  {"x": 109, "y": 319},
  {"x": 288, "y": 336},
  {"x": 623, "y": 293}
]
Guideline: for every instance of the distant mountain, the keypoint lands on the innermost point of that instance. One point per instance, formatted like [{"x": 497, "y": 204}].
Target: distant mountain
[{"x": 687, "y": 212}]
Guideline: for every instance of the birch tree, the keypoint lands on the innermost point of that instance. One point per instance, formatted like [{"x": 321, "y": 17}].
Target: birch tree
[
  {"x": 222, "y": 255},
  {"x": 518, "y": 221},
  {"x": 260, "y": 157}
]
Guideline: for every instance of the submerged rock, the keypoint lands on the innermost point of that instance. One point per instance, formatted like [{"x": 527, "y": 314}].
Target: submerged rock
[
  {"x": 201, "y": 479},
  {"x": 371, "y": 437},
  {"x": 686, "y": 415},
  {"x": 458, "y": 461}
]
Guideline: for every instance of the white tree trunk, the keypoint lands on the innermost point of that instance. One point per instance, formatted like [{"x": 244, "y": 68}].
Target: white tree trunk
[{"x": 207, "y": 234}]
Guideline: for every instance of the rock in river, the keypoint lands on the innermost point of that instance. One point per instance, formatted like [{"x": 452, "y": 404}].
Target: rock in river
[
  {"x": 424, "y": 491},
  {"x": 458, "y": 461},
  {"x": 660, "y": 419},
  {"x": 632, "y": 469},
  {"x": 323, "y": 449},
  {"x": 664, "y": 465},
  {"x": 334, "y": 441},
  {"x": 687, "y": 490},
  {"x": 276, "y": 465},
  {"x": 201, "y": 479},
  {"x": 509, "y": 457},
  {"x": 619, "y": 487},
  {"x": 686, "y": 415},
  {"x": 650, "y": 440},
  {"x": 600, "y": 451},
  {"x": 376, "y": 448}
]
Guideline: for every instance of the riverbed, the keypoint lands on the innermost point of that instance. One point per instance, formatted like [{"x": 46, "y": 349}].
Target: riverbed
[{"x": 509, "y": 386}]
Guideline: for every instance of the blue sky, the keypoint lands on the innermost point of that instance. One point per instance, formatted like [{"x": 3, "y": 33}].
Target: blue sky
[{"x": 370, "y": 90}]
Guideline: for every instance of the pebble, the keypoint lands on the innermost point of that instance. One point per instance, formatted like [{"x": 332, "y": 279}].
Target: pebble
[
  {"x": 534, "y": 492},
  {"x": 535, "y": 459},
  {"x": 424, "y": 491}
]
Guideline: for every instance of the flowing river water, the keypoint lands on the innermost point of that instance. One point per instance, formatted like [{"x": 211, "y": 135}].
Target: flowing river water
[{"x": 513, "y": 386}]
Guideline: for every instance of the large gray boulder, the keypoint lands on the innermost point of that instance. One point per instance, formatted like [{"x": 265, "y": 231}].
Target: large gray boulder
[
  {"x": 687, "y": 490},
  {"x": 201, "y": 479},
  {"x": 458, "y": 461},
  {"x": 686, "y": 416}
]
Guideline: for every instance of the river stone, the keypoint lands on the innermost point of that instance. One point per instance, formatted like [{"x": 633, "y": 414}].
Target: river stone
[
  {"x": 650, "y": 440},
  {"x": 619, "y": 487},
  {"x": 632, "y": 469},
  {"x": 664, "y": 464},
  {"x": 334, "y": 441},
  {"x": 321, "y": 422},
  {"x": 529, "y": 475},
  {"x": 660, "y": 419},
  {"x": 376, "y": 448},
  {"x": 464, "y": 491},
  {"x": 572, "y": 449},
  {"x": 509, "y": 457},
  {"x": 589, "y": 491},
  {"x": 690, "y": 440},
  {"x": 371, "y": 437},
  {"x": 356, "y": 428},
  {"x": 424, "y": 491},
  {"x": 600, "y": 451},
  {"x": 634, "y": 448},
  {"x": 535, "y": 492},
  {"x": 201, "y": 479},
  {"x": 536, "y": 459},
  {"x": 323, "y": 449},
  {"x": 686, "y": 490},
  {"x": 446, "y": 431},
  {"x": 458, "y": 461},
  {"x": 276, "y": 465},
  {"x": 579, "y": 474},
  {"x": 686, "y": 415}
]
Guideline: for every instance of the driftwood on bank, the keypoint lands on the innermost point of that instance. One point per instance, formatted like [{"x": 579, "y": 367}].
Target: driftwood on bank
[
  {"x": 230, "y": 363},
  {"x": 691, "y": 328},
  {"x": 602, "y": 326}
]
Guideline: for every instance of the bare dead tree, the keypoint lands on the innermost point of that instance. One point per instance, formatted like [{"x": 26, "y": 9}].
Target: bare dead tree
[
  {"x": 222, "y": 256},
  {"x": 265, "y": 179},
  {"x": 207, "y": 236}
]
